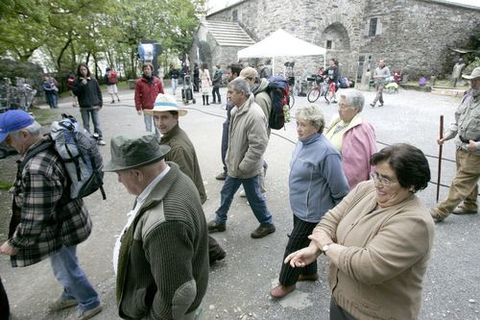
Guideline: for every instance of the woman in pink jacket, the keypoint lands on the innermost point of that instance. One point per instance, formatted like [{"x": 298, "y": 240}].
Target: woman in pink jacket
[{"x": 353, "y": 137}]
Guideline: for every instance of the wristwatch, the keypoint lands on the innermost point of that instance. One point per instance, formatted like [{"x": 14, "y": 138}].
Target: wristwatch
[{"x": 326, "y": 247}]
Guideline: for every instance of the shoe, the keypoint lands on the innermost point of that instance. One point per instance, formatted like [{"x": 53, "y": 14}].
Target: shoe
[
  {"x": 118, "y": 99},
  {"x": 334, "y": 101},
  {"x": 61, "y": 304},
  {"x": 372, "y": 105},
  {"x": 101, "y": 142},
  {"x": 380, "y": 105},
  {"x": 308, "y": 277},
  {"x": 113, "y": 101},
  {"x": 462, "y": 210},
  {"x": 216, "y": 254},
  {"x": 243, "y": 194},
  {"x": 437, "y": 215},
  {"x": 221, "y": 176},
  {"x": 264, "y": 229},
  {"x": 213, "y": 227},
  {"x": 281, "y": 291},
  {"x": 86, "y": 314}
]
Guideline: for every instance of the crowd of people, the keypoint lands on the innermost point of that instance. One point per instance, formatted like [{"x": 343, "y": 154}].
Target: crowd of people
[{"x": 350, "y": 202}]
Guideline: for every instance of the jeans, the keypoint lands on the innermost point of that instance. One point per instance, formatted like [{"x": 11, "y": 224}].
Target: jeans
[
  {"x": 174, "y": 85},
  {"x": 75, "y": 283},
  {"x": 51, "y": 98},
  {"x": 148, "y": 119},
  {"x": 86, "y": 114},
  {"x": 216, "y": 94},
  {"x": 254, "y": 197}
]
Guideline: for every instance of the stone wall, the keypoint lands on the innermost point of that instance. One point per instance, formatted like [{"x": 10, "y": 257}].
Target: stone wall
[{"x": 412, "y": 36}]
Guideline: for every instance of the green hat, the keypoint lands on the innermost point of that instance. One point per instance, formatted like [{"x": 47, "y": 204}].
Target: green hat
[{"x": 134, "y": 151}]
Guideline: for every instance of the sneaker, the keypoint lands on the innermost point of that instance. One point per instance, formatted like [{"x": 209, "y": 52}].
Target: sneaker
[
  {"x": 372, "y": 105},
  {"x": 461, "y": 209},
  {"x": 221, "y": 176},
  {"x": 118, "y": 99},
  {"x": 61, "y": 304},
  {"x": 380, "y": 105},
  {"x": 101, "y": 142},
  {"x": 437, "y": 215},
  {"x": 308, "y": 277},
  {"x": 213, "y": 227},
  {"x": 281, "y": 291},
  {"x": 86, "y": 314},
  {"x": 113, "y": 101},
  {"x": 264, "y": 229},
  {"x": 243, "y": 194}
]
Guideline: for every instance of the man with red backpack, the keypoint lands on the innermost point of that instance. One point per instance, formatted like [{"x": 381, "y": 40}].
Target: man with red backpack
[{"x": 111, "y": 79}]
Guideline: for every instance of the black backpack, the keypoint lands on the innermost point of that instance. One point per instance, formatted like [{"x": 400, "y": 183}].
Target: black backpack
[{"x": 280, "y": 112}]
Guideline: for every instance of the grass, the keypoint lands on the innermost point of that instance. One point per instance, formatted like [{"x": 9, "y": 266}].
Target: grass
[
  {"x": 5, "y": 185},
  {"x": 44, "y": 116}
]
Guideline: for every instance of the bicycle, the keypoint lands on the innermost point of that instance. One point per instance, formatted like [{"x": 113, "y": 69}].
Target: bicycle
[{"x": 319, "y": 88}]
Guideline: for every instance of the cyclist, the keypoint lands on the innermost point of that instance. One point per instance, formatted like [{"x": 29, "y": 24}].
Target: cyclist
[{"x": 333, "y": 75}]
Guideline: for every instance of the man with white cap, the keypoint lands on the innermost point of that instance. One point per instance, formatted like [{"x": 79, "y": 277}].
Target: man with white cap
[
  {"x": 45, "y": 222},
  {"x": 462, "y": 196},
  {"x": 166, "y": 118},
  {"x": 161, "y": 258}
]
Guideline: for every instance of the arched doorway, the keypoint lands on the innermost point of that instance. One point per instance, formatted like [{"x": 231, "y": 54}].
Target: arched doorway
[{"x": 335, "y": 39}]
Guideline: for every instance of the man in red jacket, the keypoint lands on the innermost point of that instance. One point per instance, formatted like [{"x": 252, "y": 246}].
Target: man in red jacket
[{"x": 146, "y": 90}]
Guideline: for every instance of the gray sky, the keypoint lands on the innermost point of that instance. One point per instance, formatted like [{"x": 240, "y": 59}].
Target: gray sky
[{"x": 219, "y": 4}]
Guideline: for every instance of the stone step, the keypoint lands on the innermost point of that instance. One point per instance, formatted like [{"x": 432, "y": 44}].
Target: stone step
[
  {"x": 228, "y": 33},
  {"x": 448, "y": 92}
]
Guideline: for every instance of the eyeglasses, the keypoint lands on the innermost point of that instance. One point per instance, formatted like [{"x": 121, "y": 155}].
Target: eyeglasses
[{"x": 384, "y": 181}]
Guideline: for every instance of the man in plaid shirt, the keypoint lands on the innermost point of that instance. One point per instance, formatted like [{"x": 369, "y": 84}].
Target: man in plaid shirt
[{"x": 45, "y": 221}]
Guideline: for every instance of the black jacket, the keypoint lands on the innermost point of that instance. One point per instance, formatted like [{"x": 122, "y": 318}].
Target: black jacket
[{"x": 89, "y": 94}]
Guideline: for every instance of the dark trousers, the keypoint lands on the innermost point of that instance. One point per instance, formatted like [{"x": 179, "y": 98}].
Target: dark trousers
[
  {"x": 337, "y": 313},
  {"x": 298, "y": 239},
  {"x": 4, "y": 307},
  {"x": 224, "y": 144},
  {"x": 216, "y": 94}
]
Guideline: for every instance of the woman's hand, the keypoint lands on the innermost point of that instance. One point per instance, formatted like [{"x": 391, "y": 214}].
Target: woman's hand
[
  {"x": 320, "y": 239},
  {"x": 302, "y": 257}
]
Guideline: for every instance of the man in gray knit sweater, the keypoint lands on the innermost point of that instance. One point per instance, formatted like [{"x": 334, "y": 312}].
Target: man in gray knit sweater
[{"x": 162, "y": 255}]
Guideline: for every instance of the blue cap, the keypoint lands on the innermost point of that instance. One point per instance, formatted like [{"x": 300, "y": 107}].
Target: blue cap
[{"x": 13, "y": 120}]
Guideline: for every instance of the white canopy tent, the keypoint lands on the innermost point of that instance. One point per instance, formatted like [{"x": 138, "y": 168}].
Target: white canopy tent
[{"x": 281, "y": 44}]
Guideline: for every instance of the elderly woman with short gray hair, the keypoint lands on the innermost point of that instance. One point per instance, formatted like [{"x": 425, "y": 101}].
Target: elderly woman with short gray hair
[
  {"x": 353, "y": 137},
  {"x": 316, "y": 184}
]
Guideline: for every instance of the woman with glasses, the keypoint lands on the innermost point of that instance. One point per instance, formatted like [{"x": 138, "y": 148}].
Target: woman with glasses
[
  {"x": 353, "y": 137},
  {"x": 316, "y": 184},
  {"x": 378, "y": 240}
]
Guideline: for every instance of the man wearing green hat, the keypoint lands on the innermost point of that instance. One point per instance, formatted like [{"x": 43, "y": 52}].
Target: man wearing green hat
[
  {"x": 462, "y": 196},
  {"x": 161, "y": 259}
]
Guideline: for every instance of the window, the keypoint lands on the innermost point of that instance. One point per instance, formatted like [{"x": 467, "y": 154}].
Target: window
[
  {"x": 372, "y": 30},
  {"x": 235, "y": 15},
  {"x": 329, "y": 44}
]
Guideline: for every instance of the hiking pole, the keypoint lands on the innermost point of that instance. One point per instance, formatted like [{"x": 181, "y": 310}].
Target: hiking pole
[{"x": 440, "y": 150}]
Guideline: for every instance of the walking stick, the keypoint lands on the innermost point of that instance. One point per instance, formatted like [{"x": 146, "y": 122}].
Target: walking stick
[{"x": 440, "y": 150}]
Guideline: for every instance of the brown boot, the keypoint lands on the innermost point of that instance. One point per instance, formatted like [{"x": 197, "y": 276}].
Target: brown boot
[{"x": 281, "y": 291}]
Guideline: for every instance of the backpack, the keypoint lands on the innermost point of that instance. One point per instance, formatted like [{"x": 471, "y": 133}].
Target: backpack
[
  {"x": 79, "y": 154},
  {"x": 343, "y": 82},
  {"x": 280, "y": 112},
  {"x": 112, "y": 77}
]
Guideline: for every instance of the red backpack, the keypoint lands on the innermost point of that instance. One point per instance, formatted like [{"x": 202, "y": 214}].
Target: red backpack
[{"x": 112, "y": 77}]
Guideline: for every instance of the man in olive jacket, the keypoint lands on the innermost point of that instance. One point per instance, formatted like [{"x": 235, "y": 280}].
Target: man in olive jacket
[
  {"x": 166, "y": 118},
  {"x": 247, "y": 142},
  {"x": 162, "y": 269}
]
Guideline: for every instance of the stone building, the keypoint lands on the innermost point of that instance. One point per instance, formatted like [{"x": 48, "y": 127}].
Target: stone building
[{"x": 413, "y": 36}]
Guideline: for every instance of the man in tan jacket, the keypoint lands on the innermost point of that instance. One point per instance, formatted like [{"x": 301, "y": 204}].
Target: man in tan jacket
[{"x": 247, "y": 142}]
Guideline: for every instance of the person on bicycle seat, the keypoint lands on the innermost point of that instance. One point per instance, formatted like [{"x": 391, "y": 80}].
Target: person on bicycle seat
[{"x": 333, "y": 75}]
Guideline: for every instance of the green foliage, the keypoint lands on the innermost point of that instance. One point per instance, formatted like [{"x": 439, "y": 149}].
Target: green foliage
[{"x": 67, "y": 32}]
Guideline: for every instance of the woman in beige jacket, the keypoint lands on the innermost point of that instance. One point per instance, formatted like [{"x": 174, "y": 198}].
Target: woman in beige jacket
[{"x": 378, "y": 240}]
